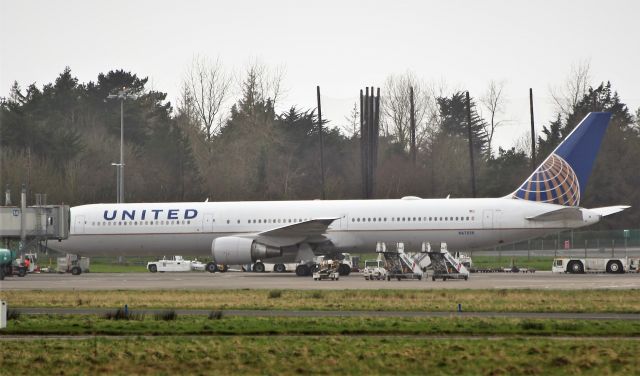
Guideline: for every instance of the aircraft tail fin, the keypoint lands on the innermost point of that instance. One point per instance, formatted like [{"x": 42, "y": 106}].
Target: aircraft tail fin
[{"x": 562, "y": 177}]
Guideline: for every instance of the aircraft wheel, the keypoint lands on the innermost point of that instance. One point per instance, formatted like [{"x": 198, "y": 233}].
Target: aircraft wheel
[
  {"x": 344, "y": 269},
  {"x": 279, "y": 268},
  {"x": 303, "y": 271},
  {"x": 211, "y": 267},
  {"x": 153, "y": 268},
  {"x": 258, "y": 267}
]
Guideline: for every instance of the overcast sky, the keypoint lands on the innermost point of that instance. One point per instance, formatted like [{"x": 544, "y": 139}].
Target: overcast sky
[{"x": 342, "y": 46}]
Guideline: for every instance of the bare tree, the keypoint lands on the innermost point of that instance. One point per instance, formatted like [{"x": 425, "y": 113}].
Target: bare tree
[
  {"x": 353, "y": 121},
  {"x": 396, "y": 108},
  {"x": 574, "y": 88},
  {"x": 207, "y": 87},
  {"x": 493, "y": 102},
  {"x": 261, "y": 83}
]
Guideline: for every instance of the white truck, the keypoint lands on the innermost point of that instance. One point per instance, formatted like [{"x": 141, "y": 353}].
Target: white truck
[
  {"x": 374, "y": 270},
  {"x": 73, "y": 264},
  {"x": 175, "y": 264},
  {"x": 261, "y": 267},
  {"x": 595, "y": 265}
]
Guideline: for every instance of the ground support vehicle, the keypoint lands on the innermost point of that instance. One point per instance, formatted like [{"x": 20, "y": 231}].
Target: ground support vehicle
[
  {"x": 446, "y": 266},
  {"x": 399, "y": 266},
  {"x": 283, "y": 267},
  {"x": 611, "y": 265},
  {"x": 374, "y": 270},
  {"x": 175, "y": 264},
  {"x": 328, "y": 270},
  {"x": 10, "y": 265},
  {"x": 73, "y": 264},
  {"x": 346, "y": 264}
]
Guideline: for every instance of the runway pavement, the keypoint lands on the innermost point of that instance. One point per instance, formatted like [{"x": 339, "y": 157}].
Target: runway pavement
[{"x": 239, "y": 280}]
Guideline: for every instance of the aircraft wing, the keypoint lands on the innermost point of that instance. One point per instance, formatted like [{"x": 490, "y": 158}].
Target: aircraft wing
[
  {"x": 564, "y": 214},
  {"x": 312, "y": 230}
]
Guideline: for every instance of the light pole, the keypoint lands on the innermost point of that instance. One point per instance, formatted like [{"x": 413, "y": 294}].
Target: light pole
[{"x": 123, "y": 94}]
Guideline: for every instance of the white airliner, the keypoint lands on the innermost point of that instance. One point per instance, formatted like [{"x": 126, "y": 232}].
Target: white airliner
[{"x": 287, "y": 231}]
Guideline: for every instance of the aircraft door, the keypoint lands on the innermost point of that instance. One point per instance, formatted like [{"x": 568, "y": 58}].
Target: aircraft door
[
  {"x": 78, "y": 225},
  {"x": 344, "y": 222},
  {"x": 207, "y": 223},
  {"x": 487, "y": 219}
]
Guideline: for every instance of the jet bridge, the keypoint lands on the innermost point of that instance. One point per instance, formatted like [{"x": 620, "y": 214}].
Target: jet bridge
[{"x": 33, "y": 224}]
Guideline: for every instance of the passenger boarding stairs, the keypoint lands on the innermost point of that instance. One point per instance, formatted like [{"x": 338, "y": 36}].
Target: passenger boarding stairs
[
  {"x": 446, "y": 266},
  {"x": 398, "y": 263}
]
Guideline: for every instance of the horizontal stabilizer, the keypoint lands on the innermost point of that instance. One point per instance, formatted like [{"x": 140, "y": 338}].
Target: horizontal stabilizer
[
  {"x": 564, "y": 214},
  {"x": 608, "y": 210}
]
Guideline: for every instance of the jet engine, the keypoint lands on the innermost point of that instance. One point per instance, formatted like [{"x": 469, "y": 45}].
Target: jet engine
[{"x": 233, "y": 250}]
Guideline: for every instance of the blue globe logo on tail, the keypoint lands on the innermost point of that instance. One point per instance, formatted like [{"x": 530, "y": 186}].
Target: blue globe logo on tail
[
  {"x": 562, "y": 177},
  {"x": 553, "y": 182}
]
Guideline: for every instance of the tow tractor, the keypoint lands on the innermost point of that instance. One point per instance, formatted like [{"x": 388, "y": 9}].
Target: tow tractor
[
  {"x": 446, "y": 266},
  {"x": 328, "y": 270},
  {"x": 374, "y": 269},
  {"x": 175, "y": 264}
]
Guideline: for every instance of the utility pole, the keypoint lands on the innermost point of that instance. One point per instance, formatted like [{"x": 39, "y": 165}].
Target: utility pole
[
  {"x": 321, "y": 142},
  {"x": 533, "y": 131},
  {"x": 369, "y": 131},
  {"x": 122, "y": 95},
  {"x": 472, "y": 165}
]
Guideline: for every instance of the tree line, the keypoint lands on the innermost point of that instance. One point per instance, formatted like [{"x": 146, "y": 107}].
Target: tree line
[{"x": 62, "y": 138}]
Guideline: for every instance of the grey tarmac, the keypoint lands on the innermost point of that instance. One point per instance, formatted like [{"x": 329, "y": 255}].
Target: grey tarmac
[{"x": 249, "y": 280}]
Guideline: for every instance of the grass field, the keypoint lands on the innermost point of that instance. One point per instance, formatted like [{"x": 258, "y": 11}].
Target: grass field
[
  {"x": 627, "y": 301},
  {"x": 224, "y": 345},
  {"x": 320, "y": 355},
  {"x": 493, "y": 262},
  {"x": 234, "y": 325}
]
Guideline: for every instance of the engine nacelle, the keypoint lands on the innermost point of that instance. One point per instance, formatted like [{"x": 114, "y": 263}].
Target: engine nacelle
[{"x": 233, "y": 250}]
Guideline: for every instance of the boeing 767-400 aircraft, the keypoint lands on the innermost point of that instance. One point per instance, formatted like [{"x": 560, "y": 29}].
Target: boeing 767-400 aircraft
[{"x": 287, "y": 231}]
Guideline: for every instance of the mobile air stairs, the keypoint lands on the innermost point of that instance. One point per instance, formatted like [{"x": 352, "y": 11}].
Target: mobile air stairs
[
  {"x": 398, "y": 264},
  {"x": 444, "y": 265}
]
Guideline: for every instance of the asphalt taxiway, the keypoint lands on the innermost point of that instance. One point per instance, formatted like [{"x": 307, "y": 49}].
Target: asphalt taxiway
[{"x": 240, "y": 280}]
